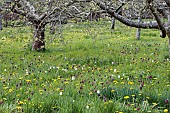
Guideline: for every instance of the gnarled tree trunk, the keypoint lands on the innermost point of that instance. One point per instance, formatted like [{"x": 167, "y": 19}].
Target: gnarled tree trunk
[{"x": 39, "y": 38}]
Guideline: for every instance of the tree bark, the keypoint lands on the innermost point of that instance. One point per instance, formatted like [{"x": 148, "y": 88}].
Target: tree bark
[
  {"x": 39, "y": 38},
  {"x": 1, "y": 22},
  {"x": 113, "y": 23},
  {"x": 138, "y": 29}
]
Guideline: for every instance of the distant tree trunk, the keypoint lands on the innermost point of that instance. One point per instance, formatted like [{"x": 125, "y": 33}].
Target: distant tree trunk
[
  {"x": 1, "y": 22},
  {"x": 113, "y": 23},
  {"x": 39, "y": 38},
  {"x": 168, "y": 31},
  {"x": 138, "y": 29}
]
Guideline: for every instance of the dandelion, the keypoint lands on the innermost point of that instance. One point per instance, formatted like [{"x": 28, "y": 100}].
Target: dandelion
[
  {"x": 131, "y": 83},
  {"x": 19, "y": 107},
  {"x": 165, "y": 110},
  {"x": 122, "y": 82},
  {"x": 126, "y": 97},
  {"x": 90, "y": 93},
  {"x": 20, "y": 102},
  {"x": 112, "y": 90},
  {"x": 66, "y": 82}
]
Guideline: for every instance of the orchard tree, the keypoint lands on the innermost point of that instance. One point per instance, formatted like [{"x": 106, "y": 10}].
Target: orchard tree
[
  {"x": 42, "y": 12},
  {"x": 158, "y": 8},
  {"x": 0, "y": 17}
]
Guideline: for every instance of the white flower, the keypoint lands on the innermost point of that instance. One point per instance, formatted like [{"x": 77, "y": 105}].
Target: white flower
[
  {"x": 75, "y": 68},
  {"x": 114, "y": 70},
  {"x": 64, "y": 70},
  {"x": 98, "y": 91},
  {"x": 87, "y": 107},
  {"x": 73, "y": 78},
  {"x": 113, "y": 63},
  {"x": 61, "y": 93},
  {"x": 118, "y": 76}
]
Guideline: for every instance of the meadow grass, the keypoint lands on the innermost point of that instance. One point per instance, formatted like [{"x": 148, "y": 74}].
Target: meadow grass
[{"x": 88, "y": 69}]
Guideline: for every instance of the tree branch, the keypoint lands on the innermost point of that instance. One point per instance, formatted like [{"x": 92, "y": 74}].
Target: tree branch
[
  {"x": 160, "y": 24},
  {"x": 126, "y": 21}
]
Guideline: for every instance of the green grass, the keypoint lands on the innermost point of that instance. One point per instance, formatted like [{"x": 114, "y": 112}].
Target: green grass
[{"x": 88, "y": 69}]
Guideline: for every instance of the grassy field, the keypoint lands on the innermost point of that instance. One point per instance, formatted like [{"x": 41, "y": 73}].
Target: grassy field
[{"x": 88, "y": 69}]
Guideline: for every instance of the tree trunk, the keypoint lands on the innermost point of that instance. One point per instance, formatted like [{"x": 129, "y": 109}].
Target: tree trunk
[
  {"x": 1, "y": 22},
  {"x": 113, "y": 23},
  {"x": 138, "y": 29},
  {"x": 168, "y": 30},
  {"x": 168, "y": 34},
  {"x": 39, "y": 38},
  {"x": 169, "y": 43}
]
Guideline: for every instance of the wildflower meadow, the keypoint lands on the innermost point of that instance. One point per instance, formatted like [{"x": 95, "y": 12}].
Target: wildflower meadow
[{"x": 88, "y": 69}]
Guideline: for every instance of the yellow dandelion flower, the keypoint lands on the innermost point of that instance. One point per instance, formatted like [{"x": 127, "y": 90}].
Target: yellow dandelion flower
[
  {"x": 166, "y": 110},
  {"x": 113, "y": 91},
  {"x": 131, "y": 83},
  {"x": 18, "y": 107},
  {"x": 10, "y": 90},
  {"x": 28, "y": 81},
  {"x": 5, "y": 88},
  {"x": 122, "y": 82},
  {"x": 90, "y": 93},
  {"x": 58, "y": 78},
  {"x": 20, "y": 102},
  {"x": 126, "y": 97},
  {"x": 20, "y": 78},
  {"x": 66, "y": 82}
]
